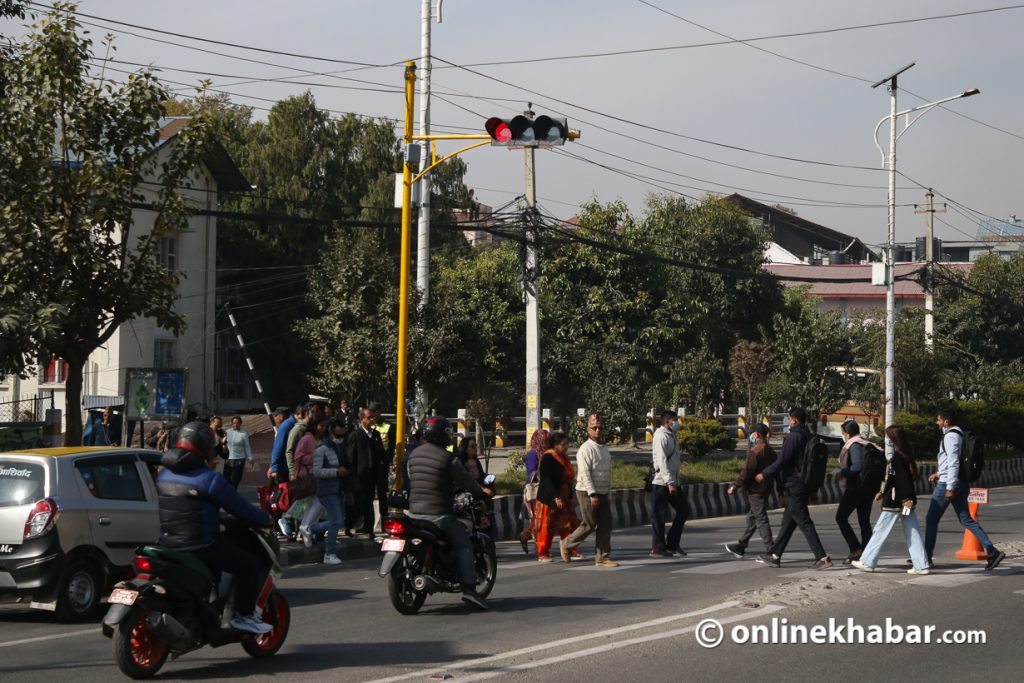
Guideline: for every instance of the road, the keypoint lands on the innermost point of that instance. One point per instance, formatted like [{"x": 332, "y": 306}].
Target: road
[{"x": 578, "y": 623}]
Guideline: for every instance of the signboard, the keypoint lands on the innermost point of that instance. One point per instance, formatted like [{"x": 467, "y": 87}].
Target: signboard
[
  {"x": 152, "y": 394},
  {"x": 979, "y": 496}
]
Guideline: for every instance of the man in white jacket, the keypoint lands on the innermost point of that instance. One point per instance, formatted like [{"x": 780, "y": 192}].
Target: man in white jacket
[
  {"x": 665, "y": 489},
  {"x": 593, "y": 482}
]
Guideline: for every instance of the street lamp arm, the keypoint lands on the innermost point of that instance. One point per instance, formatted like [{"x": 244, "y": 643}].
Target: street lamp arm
[
  {"x": 924, "y": 109},
  {"x": 878, "y": 146}
]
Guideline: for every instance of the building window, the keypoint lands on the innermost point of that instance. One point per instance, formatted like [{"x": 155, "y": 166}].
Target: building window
[
  {"x": 167, "y": 253},
  {"x": 231, "y": 370},
  {"x": 163, "y": 353},
  {"x": 55, "y": 371}
]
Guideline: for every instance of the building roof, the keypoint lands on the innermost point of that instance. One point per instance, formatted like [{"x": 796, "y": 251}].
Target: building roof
[
  {"x": 224, "y": 170},
  {"x": 905, "y": 289}
]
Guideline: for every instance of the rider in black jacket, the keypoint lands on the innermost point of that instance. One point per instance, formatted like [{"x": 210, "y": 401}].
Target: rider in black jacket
[{"x": 434, "y": 476}]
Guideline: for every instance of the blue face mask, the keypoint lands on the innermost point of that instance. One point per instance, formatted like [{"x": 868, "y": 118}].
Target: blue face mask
[
  {"x": 675, "y": 427},
  {"x": 753, "y": 439},
  {"x": 888, "y": 443}
]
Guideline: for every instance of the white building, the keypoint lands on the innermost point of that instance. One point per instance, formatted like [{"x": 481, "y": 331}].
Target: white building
[{"x": 140, "y": 343}]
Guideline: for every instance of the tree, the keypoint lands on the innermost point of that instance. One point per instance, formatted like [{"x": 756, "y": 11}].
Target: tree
[
  {"x": 750, "y": 363},
  {"x": 73, "y": 265}
]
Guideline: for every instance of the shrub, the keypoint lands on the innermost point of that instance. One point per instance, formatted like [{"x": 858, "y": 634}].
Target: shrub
[
  {"x": 923, "y": 434},
  {"x": 699, "y": 437},
  {"x": 998, "y": 426}
]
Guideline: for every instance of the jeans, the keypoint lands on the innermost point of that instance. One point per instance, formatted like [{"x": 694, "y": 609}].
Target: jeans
[
  {"x": 938, "y": 508},
  {"x": 455, "y": 533},
  {"x": 854, "y": 499},
  {"x": 886, "y": 521},
  {"x": 797, "y": 515},
  {"x": 228, "y": 557},
  {"x": 660, "y": 500},
  {"x": 335, "y": 519},
  {"x": 757, "y": 519},
  {"x": 599, "y": 520}
]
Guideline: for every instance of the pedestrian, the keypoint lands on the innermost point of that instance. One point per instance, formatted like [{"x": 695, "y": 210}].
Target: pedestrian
[
  {"x": 383, "y": 467},
  {"x": 284, "y": 420},
  {"x": 540, "y": 442},
  {"x": 951, "y": 490},
  {"x": 347, "y": 413},
  {"x": 666, "y": 490},
  {"x": 851, "y": 464},
  {"x": 307, "y": 508},
  {"x": 328, "y": 471},
  {"x": 787, "y": 466},
  {"x": 239, "y": 452},
  {"x": 760, "y": 454},
  {"x": 103, "y": 433},
  {"x": 469, "y": 455},
  {"x": 366, "y": 454},
  {"x": 899, "y": 501},
  {"x": 593, "y": 483},
  {"x": 298, "y": 430},
  {"x": 554, "y": 513},
  {"x": 220, "y": 448}
]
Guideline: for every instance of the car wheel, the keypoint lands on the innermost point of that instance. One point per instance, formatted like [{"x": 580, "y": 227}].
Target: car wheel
[{"x": 78, "y": 590}]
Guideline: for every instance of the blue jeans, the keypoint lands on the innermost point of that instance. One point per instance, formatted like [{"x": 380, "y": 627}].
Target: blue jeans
[
  {"x": 886, "y": 521},
  {"x": 938, "y": 508},
  {"x": 335, "y": 520}
]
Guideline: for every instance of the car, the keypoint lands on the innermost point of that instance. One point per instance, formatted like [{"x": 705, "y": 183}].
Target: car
[{"x": 70, "y": 519}]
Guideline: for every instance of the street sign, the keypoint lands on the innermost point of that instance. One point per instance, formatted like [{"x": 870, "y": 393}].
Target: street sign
[
  {"x": 979, "y": 496},
  {"x": 155, "y": 394}
]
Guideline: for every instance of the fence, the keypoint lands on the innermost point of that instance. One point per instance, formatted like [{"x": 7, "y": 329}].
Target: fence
[{"x": 27, "y": 408}]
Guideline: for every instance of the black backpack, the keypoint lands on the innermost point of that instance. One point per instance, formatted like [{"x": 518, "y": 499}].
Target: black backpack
[
  {"x": 872, "y": 471},
  {"x": 972, "y": 455},
  {"x": 814, "y": 464}
]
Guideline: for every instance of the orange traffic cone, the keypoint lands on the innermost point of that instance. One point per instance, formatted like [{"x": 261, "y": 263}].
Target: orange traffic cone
[{"x": 971, "y": 549}]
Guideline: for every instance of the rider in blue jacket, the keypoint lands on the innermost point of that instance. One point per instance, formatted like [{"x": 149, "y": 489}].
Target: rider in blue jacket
[{"x": 192, "y": 492}]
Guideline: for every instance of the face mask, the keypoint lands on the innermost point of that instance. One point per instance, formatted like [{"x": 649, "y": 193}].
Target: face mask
[
  {"x": 338, "y": 440},
  {"x": 675, "y": 427},
  {"x": 753, "y": 439}
]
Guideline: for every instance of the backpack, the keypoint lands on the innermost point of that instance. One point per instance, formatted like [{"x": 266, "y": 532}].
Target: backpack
[
  {"x": 814, "y": 464},
  {"x": 872, "y": 471},
  {"x": 972, "y": 456}
]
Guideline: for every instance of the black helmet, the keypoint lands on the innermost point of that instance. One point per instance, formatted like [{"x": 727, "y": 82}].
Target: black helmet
[
  {"x": 435, "y": 431},
  {"x": 197, "y": 437}
]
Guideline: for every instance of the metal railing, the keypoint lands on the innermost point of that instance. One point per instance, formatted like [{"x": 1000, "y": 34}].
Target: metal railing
[{"x": 27, "y": 408}]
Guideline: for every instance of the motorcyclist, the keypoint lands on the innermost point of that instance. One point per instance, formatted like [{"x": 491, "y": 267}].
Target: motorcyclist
[
  {"x": 191, "y": 494},
  {"x": 434, "y": 477}
]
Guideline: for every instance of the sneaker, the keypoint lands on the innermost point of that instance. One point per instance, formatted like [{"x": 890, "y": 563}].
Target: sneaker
[
  {"x": 331, "y": 558},
  {"x": 307, "y": 536},
  {"x": 853, "y": 556},
  {"x": 823, "y": 563},
  {"x": 471, "y": 597},
  {"x": 660, "y": 553},
  {"x": 677, "y": 551},
  {"x": 861, "y": 566},
  {"x": 545, "y": 559},
  {"x": 249, "y": 624},
  {"x": 577, "y": 555},
  {"x": 919, "y": 572},
  {"x": 566, "y": 553},
  {"x": 606, "y": 563},
  {"x": 994, "y": 560},
  {"x": 770, "y": 559},
  {"x": 736, "y": 550}
]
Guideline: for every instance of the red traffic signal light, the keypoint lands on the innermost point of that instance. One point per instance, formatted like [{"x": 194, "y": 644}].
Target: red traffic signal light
[{"x": 523, "y": 132}]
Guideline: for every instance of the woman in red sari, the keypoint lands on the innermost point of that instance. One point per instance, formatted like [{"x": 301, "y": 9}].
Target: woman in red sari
[{"x": 553, "y": 510}]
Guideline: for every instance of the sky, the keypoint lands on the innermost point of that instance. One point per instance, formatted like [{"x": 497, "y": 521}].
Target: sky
[{"x": 674, "y": 116}]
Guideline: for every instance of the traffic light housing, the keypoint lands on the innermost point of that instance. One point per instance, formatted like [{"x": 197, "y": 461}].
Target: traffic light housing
[{"x": 519, "y": 131}]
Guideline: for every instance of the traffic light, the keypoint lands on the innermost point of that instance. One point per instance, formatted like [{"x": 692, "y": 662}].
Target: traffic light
[{"x": 544, "y": 131}]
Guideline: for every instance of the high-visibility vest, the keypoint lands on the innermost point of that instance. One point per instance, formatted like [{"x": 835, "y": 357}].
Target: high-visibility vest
[{"x": 383, "y": 429}]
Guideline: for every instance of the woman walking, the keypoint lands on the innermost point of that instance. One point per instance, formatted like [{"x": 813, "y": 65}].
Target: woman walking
[
  {"x": 855, "y": 498},
  {"x": 308, "y": 508},
  {"x": 329, "y": 471},
  {"x": 898, "y": 502},
  {"x": 539, "y": 443},
  {"x": 553, "y": 512},
  {"x": 239, "y": 452}
]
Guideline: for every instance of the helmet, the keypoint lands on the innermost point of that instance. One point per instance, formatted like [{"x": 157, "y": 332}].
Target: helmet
[
  {"x": 197, "y": 437},
  {"x": 435, "y": 431}
]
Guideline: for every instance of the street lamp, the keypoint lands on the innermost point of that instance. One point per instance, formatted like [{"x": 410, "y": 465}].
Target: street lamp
[{"x": 890, "y": 259}]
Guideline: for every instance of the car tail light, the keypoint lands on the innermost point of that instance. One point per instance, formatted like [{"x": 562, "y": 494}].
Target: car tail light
[
  {"x": 394, "y": 527},
  {"x": 42, "y": 518},
  {"x": 142, "y": 566}
]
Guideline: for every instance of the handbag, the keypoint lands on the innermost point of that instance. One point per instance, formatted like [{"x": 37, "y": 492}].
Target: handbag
[
  {"x": 302, "y": 487},
  {"x": 274, "y": 499},
  {"x": 530, "y": 492},
  {"x": 649, "y": 480}
]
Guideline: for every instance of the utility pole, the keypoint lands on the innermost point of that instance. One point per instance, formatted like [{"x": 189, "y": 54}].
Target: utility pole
[
  {"x": 248, "y": 361},
  {"x": 929, "y": 259},
  {"x": 533, "y": 402}
]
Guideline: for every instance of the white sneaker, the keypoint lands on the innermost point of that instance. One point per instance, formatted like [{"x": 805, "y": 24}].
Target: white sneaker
[
  {"x": 250, "y": 624},
  {"x": 331, "y": 558},
  {"x": 861, "y": 566},
  {"x": 307, "y": 536},
  {"x": 919, "y": 572}
]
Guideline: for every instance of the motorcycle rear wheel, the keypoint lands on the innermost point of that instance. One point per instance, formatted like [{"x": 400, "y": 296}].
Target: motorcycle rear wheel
[
  {"x": 404, "y": 598},
  {"x": 137, "y": 651}
]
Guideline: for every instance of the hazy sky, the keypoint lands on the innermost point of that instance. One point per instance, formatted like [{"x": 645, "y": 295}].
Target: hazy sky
[{"x": 730, "y": 94}]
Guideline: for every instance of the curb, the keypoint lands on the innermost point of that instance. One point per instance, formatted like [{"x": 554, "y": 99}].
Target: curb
[{"x": 292, "y": 554}]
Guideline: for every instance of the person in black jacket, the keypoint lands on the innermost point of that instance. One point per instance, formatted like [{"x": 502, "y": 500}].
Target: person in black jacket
[
  {"x": 899, "y": 501},
  {"x": 760, "y": 455},
  {"x": 787, "y": 466},
  {"x": 366, "y": 457}
]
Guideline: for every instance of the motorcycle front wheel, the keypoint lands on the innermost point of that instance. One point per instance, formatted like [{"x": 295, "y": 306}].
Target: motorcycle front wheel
[
  {"x": 278, "y": 614},
  {"x": 405, "y": 598},
  {"x": 137, "y": 650},
  {"x": 486, "y": 570}
]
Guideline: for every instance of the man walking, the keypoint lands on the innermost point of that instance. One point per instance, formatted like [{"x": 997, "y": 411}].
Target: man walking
[
  {"x": 665, "y": 489},
  {"x": 950, "y": 490},
  {"x": 796, "y": 515},
  {"x": 382, "y": 468},
  {"x": 365, "y": 454},
  {"x": 759, "y": 457},
  {"x": 593, "y": 482}
]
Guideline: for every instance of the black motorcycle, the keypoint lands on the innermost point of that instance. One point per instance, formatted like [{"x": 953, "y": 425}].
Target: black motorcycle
[
  {"x": 175, "y": 604},
  {"x": 418, "y": 562}
]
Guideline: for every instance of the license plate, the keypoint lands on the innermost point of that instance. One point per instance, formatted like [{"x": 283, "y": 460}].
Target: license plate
[
  {"x": 120, "y": 596},
  {"x": 393, "y": 545}
]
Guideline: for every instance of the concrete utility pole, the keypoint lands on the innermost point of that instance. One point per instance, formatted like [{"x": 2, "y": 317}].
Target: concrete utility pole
[
  {"x": 929, "y": 259},
  {"x": 533, "y": 403}
]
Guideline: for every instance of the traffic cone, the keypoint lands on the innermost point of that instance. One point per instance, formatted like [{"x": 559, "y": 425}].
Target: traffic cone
[{"x": 971, "y": 548}]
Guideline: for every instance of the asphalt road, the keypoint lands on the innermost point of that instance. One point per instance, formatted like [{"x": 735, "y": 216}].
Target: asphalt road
[{"x": 576, "y": 623}]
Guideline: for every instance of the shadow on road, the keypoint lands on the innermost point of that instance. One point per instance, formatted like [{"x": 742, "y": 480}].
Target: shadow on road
[
  {"x": 301, "y": 597},
  {"x": 522, "y": 604}
]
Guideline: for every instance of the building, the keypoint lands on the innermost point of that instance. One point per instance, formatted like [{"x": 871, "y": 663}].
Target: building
[
  {"x": 477, "y": 220},
  {"x": 140, "y": 343}
]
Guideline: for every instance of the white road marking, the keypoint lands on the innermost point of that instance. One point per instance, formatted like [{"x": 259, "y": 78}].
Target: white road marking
[
  {"x": 55, "y": 636},
  {"x": 558, "y": 643},
  {"x": 608, "y": 647},
  {"x": 950, "y": 580},
  {"x": 720, "y": 567},
  {"x": 1006, "y": 505}
]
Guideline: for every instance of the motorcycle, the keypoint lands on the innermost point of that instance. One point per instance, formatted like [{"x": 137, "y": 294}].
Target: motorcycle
[
  {"x": 418, "y": 562},
  {"x": 175, "y": 604}
]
